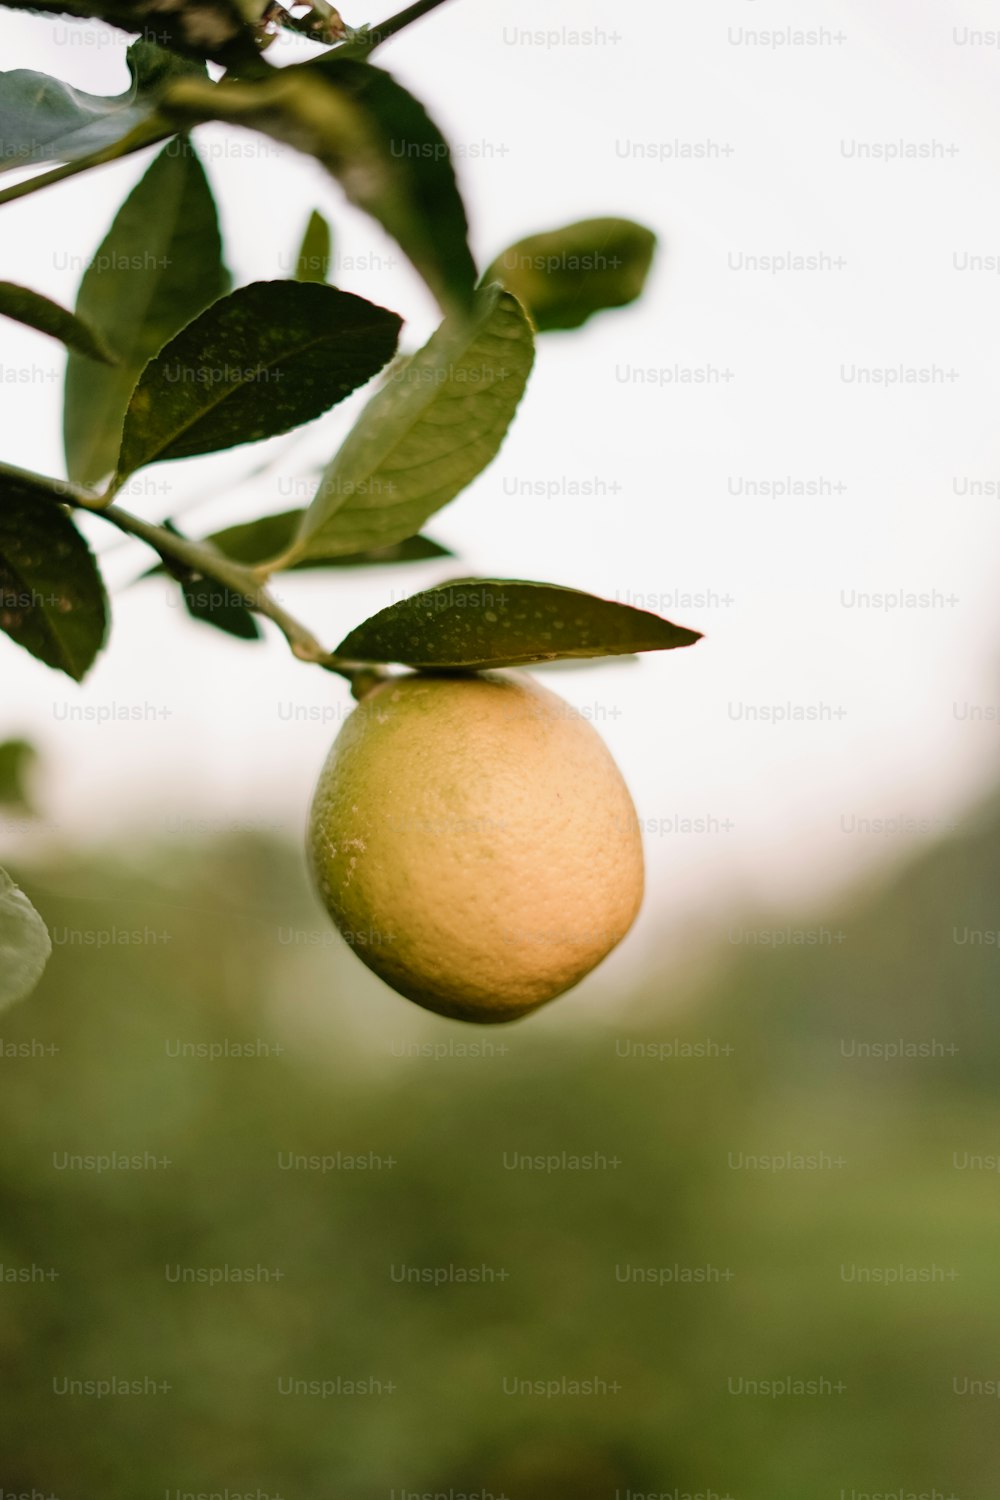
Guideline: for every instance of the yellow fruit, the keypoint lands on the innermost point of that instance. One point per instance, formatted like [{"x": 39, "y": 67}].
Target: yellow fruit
[{"x": 475, "y": 843}]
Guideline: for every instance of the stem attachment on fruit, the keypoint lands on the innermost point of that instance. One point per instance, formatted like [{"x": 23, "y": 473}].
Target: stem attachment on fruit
[{"x": 365, "y": 679}]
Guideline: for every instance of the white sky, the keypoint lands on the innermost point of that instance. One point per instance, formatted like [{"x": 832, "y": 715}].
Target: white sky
[{"x": 546, "y": 133}]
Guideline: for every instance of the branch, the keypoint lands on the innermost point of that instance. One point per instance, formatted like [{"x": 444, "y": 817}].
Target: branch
[
  {"x": 146, "y": 134},
  {"x": 210, "y": 563},
  {"x": 251, "y": 66},
  {"x": 206, "y": 561},
  {"x": 380, "y": 34},
  {"x": 365, "y": 40}
]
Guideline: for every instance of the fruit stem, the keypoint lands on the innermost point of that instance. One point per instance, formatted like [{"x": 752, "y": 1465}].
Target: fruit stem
[{"x": 362, "y": 682}]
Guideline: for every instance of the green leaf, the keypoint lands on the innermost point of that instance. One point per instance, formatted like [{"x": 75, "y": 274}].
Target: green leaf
[
  {"x": 25, "y": 945},
  {"x": 159, "y": 266},
  {"x": 254, "y": 542},
  {"x": 313, "y": 260},
  {"x": 211, "y": 602},
  {"x": 565, "y": 276},
  {"x": 17, "y": 758},
  {"x": 36, "y": 311},
  {"x": 374, "y": 138},
  {"x": 153, "y": 67},
  {"x": 44, "y": 120},
  {"x": 214, "y": 604},
  {"x": 475, "y": 623},
  {"x": 436, "y": 423},
  {"x": 52, "y": 599},
  {"x": 410, "y": 549},
  {"x": 267, "y": 358}
]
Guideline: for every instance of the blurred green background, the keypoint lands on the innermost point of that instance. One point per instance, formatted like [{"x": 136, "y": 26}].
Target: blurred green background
[{"x": 670, "y": 1274}]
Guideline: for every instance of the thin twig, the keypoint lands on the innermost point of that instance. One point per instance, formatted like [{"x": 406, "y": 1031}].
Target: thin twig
[
  {"x": 405, "y": 17},
  {"x": 207, "y": 562},
  {"x": 150, "y": 132},
  {"x": 146, "y": 134},
  {"x": 366, "y": 39},
  {"x": 197, "y": 558}
]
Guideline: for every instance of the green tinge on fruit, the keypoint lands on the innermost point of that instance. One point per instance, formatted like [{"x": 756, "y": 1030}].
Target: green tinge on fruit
[{"x": 474, "y": 842}]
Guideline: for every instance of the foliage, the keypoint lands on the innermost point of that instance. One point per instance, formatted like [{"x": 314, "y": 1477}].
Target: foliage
[
  {"x": 17, "y": 760},
  {"x": 167, "y": 360},
  {"x": 25, "y": 944}
]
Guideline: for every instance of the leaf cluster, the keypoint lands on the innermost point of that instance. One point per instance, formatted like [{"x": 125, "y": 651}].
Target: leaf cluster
[{"x": 168, "y": 360}]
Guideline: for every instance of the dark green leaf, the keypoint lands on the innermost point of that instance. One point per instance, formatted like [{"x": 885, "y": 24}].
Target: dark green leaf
[
  {"x": 436, "y": 423},
  {"x": 217, "y": 605},
  {"x": 565, "y": 276},
  {"x": 475, "y": 623},
  {"x": 410, "y": 549},
  {"x": 255, "y": 541},
  {"x": 17, "y": 758},
  {"x": 153, "y": 66},
  {"x": 252, "y": 542},
  {"x": 211, "y": 602},
  {"x": 267, "y": 358},
  {"x": 158, "y": 267},
  {"x": 52, "y": 600},
  {"x": 375, "y": 138},
  {"x": 36, "y": 311},
  {"x": 25, "y": 944},
  {"x": 313, "y": 260}
]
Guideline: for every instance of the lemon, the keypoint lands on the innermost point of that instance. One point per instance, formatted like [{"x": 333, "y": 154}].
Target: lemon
[{"x": 474, "y": 842}]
